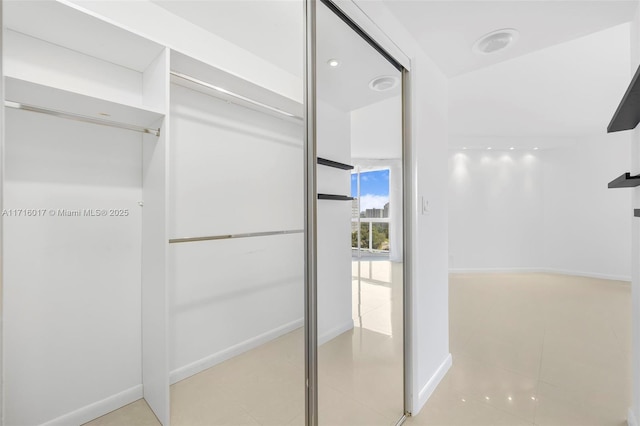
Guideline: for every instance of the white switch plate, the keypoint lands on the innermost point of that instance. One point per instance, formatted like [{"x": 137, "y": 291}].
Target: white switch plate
[{"x": 425, "y": 206}]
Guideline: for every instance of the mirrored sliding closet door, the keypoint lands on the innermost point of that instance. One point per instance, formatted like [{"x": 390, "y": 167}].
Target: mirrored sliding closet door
[{"x": 360, "y": 230}]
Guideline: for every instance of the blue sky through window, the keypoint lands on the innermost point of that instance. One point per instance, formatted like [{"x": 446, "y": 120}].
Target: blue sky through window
[{"x": 374, "y": 188}]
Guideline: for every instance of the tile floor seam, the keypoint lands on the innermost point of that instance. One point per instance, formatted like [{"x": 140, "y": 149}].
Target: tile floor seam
[
  {"x": 468, "y": 339},
  {"x": 538, "y": 379}
]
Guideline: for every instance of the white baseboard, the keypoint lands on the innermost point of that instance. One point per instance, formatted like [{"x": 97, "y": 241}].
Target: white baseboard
[
  {"x": 97, "y": 409},
  {"x": 334, "y": 332},
  {"x": 428, "y": 389},
  {"x": 494, "y": 270},
  {"x": 589, "y": 274},
  {"x": 631, "y": 418},
  {"x": 539, "y": 270},
  {"x": 196, "y": 367}
]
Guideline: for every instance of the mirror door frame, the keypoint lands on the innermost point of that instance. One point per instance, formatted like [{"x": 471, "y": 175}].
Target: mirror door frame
[{"x": 409, "y": 198}]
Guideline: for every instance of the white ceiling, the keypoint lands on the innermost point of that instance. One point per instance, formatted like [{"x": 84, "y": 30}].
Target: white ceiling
[
  {"x": 570, "y": 90},
  {"x": 561, "y": 81},
  {"x": 271, "y": 29},
  {"x": 447, "y": 30},
  {"x": 347, "y": 86}
]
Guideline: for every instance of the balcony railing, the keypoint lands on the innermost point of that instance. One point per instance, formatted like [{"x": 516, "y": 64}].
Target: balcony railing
[{"x": 374, "y": 234}]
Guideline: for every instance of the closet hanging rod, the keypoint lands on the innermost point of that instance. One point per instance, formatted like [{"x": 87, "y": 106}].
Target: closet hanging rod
[
  {"x": 234, "y": 95},
  {"x": 231, "y": 236},
  {"x": 79, "y": 117}
]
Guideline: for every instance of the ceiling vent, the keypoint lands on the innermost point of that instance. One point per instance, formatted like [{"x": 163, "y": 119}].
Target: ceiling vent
[
  {"x": 495, "y": 41},
  {"x": 383, "y": 83}
]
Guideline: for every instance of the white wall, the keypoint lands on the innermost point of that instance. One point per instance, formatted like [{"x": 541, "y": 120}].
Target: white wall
[
  {"x": 375, "y": 146},
  {"x": 2, "y": 143},
  {"x": 586, "y": 225},
  {"x": 73, "y": 320},
  {"x": 634, "y": 152},
  {"x": 371, "y": 140},
  {"x": 233, "y": 170},
  {"x": 334, "y": 224},
  {"x": 547, "y": 210},
  {"x": 495, "y": 210},
  {"x": 430, "y": 357},
  {"x": 430, "y": 233}
]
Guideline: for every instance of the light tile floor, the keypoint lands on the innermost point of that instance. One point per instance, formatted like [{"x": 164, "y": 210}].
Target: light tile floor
[
  {"x": 535, "y": 349},
  {"x": 359, "y": 372},
  {"x": 528, "y": 349}
]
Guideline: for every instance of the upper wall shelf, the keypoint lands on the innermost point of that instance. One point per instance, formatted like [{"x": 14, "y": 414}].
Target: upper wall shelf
[
  {"x": 222, "y": 84},
  {"x": 68, "y": 104},
  {"x": 625, "y": 181},
  {"x": 65, "y": 25},
  {"x": 627, "y": 115},
  {"x": 334, "y": 197},
  {"x": 56, "y": 44},
  {"x": 337, "y": 165}
]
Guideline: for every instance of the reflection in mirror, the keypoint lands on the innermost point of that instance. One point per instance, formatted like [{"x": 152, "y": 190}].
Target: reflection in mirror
[
  {"x": 236, "y": 311},
  {"x": 236, "y": 304},
  {"x": 360, "y": 287}
]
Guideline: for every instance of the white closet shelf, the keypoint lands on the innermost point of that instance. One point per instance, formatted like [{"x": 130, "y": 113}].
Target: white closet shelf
[
  {"x": 230, "y": 87},
  {"x": 65, "y": 102},
  {"x": 60, "y": 23}
]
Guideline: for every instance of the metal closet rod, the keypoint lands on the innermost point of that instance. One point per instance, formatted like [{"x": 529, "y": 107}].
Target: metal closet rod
[
  {"x": 233, "y": 94},
  {"x": 230, "y": 236},
  {"x": 79, "y": 117}
]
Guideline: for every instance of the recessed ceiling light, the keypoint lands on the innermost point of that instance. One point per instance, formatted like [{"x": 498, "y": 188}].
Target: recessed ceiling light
[
  {"x": 383, "y": 83},
  {"x": 511, "y": 149},
  {"x": 535, "y": 149},
  {"x": 495, "y": 41},
  {"x": 489, "y": 147},
  {"x": 464, "y": 147},
  {"x": 333, "y": 62}
]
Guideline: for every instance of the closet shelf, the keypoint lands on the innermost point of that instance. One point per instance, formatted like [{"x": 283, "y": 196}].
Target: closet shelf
[
  {"x": 210, "y": 80},
  {"x": 625, "y": 181},
  {"x": 223, "y": 93},
  {"x": 62, "y": 103},
  {"x": 334, "y": 197},
  {"x": 627, "y": 115},
  {"x": 335, "y": 164},
  {"x": 62, "y": 24}
]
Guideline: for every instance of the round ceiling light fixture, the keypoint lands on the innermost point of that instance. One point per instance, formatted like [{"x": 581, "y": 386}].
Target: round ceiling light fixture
[
  {"x": 495, "y": 41},
  {"x": 384, "y": 83},
  {"x": 333, "y": 63}
]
